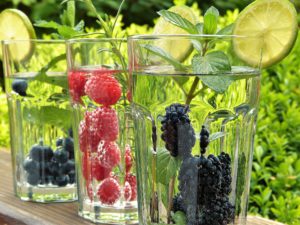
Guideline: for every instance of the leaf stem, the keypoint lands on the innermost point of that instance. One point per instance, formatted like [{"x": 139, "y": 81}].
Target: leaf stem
[
  {"x": 190, "y": 95},
  {"x": 170, "y": 197}
]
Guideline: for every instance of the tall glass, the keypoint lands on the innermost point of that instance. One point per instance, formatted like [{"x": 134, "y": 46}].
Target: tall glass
[
  {"x": 40, "y": 120},
  {"x": 103, "y": 127},
  {"x": 195, "y": 105}
]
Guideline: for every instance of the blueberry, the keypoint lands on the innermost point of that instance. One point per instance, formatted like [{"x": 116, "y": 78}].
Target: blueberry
[
  {"x": 35, "y": 152},
  {"x": 61, "y": 156},
  {"x": 55, "y": 168},
  {"x": 68, "y": 166},
  {"x": 30, "y": 166},
  {"x": 59, "y": 142},
  {"x": 72, "y": 176},
  {"x": 69, "y": 147},
  {"x": 62, "y": 180},
  {"x": 46, "y": 153},
  {"x": 20, "y": 86},
  {"x": 33, "y": 178}
]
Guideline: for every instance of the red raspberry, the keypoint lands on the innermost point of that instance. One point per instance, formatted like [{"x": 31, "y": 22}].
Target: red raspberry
[
  {"x": 128, "y": 158},
  {"x": 109, "y": 154},
  {"x": 103, "y": 89},
  {"x": 131, "y": 179},
  {"x": 89, "y": 191},
  {"x": 91, "y": 169},
  {"x": 100, "y": 124},
  {"x": 77, "y": 80},
  {"x": 127, "y": 191},
  {"x": 109, "y": 191}
]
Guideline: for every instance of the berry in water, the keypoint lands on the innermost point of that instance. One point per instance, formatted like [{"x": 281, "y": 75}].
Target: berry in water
[
  {"x": 131, "y": 179},
  {"x": 31, "y": 166},
  {"x": 61, "y": 156},
  {"x": 109, "y": 191},
  {"x": 177, "y": 132},
  {"x": 77, "y": 80},
  {"x": 109, "y": 154},
  {"x": 127, "y": 191},
  {"x": 128, "y": 158},
  {"x": 103, "y": 88},
  {"x": 20, "y": 86}
]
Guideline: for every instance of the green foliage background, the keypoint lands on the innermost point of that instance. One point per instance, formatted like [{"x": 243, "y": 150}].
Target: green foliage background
[{"x": 275, "y": 185}]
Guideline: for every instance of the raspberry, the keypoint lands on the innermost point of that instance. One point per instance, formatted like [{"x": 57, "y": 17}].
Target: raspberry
[
  {"x": 109, "y": 191},
  {"x": 103, "y": 88},
  {"x": 128, "y": 158},
  {"x": 77, "y": 81},
  {"x": 91, "y": 169},
  {"x": 131, "y": 179},
  {"x": 127, "y": 191},
  {"x": 100, "y": 124},
  {"x": 109, "y": 154}
]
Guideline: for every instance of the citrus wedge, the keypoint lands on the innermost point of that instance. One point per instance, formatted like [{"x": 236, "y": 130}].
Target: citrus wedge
[
  {"x": 178, "y": 49},
  {"x": 15, "y": 25},
  {"x": 271, "y": 30}
]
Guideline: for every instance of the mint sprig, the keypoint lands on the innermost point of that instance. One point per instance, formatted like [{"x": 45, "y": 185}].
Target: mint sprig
[{"x": 211, "y": 21}]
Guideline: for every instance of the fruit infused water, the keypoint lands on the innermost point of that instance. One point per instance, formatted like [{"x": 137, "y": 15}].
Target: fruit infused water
[
  {"x": 105, "y": 147},
  {"x": 40, "y": 122}
]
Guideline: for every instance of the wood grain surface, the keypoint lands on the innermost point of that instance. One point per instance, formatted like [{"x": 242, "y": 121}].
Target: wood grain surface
[{"x": 16, "y": 212}]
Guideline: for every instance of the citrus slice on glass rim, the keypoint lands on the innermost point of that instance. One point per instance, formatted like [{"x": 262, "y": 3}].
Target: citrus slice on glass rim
[
  {"x": 270, "y": 28},
  {"x": 15, "y": 25}
]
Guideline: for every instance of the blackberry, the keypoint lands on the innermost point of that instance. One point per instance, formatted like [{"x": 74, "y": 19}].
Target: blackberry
[
  {"x": 20, "y": 86},
  {"x": 68, "y": 145},
  {"x": 31, "y": 166},
  {"x": 61, "y": 156},
  {"x": 217, "y": 212},
  {"x": 204, "y": 139},
  {"x": 209, "y": 178},
  {"x": 177, "y": 132},
  {"x": 33, "y": 178},
  {"x": 62, "y": 180},
  {"x": 36, "y": 152},
  {"x": 178, "y": 204},
  {"x": 59, "y": 142},
  {"x": 226, "y": 173}
]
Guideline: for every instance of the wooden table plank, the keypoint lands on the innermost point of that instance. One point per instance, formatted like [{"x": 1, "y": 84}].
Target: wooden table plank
[{"x": 16, "y": 212}]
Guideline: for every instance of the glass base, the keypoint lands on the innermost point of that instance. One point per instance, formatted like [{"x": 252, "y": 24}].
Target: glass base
[
  {"x": 101, "y": 214},
  {"x": 47, "y": 194}
]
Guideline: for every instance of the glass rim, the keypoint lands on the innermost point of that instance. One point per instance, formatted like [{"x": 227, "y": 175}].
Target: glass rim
[
  {"x": 94, "y": 40},
  {"x": 184, "y": 36},
  {"x": 42, "y": 41}
]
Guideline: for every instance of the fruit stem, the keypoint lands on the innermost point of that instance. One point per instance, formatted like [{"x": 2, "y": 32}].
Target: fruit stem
[
  {"x": 190, "y": 95},
  {"x": 170, "y": 198}
]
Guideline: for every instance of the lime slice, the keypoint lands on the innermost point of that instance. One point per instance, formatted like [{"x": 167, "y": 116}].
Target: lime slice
[
  {"x": 272, "y": 29},
  {"x": 183, "y": 48},
  {"x": 15, "y": 25}
]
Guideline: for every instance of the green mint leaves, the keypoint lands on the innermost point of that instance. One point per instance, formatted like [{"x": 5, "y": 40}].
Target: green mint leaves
[
  {"x": 211, "y": 21},
  {"x": 178, "y": 21}
]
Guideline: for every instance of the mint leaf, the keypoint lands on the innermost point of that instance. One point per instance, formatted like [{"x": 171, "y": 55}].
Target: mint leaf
[
  {"x": 167, "y": 166},
  {"x": 199, "y": 27},
  {"x": 63, "y": 30},
  {"x": 164, "y": 55},
  {"x": 48, "y": 115},
  {"x": 211, "y": 21},
  {"x": 213, "y": 63},
  {"x": 42, "y": 75},
  {"x": 179, "y": 218},
  {"x": 226, "y": 30},
  {"x": 178, "y": 21}
]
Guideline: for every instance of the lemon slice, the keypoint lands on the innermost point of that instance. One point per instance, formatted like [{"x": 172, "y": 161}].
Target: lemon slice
[
  {"x": 15, "y": 25},
  {"x": 179, "y": 49},
  {"x": 271, "y": 26}
]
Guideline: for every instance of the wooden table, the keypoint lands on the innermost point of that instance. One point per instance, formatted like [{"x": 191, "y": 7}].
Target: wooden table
[{"x": 16, "y": 212}]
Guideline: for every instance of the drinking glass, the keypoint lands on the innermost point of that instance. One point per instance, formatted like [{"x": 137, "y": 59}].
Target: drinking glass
[
  {"x": 103, "y": 130},
  {"x": 195, "y": 107},
  {"x": 40, "y": 120}
]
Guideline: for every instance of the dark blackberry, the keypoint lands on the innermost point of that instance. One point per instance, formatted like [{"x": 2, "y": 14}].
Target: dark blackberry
[
  {"x": 209, "y": 178},
  {"x": 36, "y": 152},
  {"x": 68, "y": 166},
  {"x": 59, "y": 142},
  {"x": 61, "y": 156},
  {"x": 226, "y": 173},
  {"x": 72, "y": 176},
  {"x": 33, "y": 178},
  {"x": 178, "y": 204},
  {"x": 68, "y": 145},
  {"x": 20, "y": 86},
  {"x": 62, "y": 180},
  {"x": 188, "y": 186},
  {"x": 204, "y": 139},
  {"x": 217, "y": 212},
  {"x": 177, "y": 132},
  {"x": 31, "y": 166}
]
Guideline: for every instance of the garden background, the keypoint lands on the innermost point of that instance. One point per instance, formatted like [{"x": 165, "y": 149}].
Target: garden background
[{"x": 275, "y": 184}]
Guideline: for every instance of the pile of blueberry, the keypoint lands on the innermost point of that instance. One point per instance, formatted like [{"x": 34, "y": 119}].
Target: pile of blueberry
[
  {"x": 204, "y": 182},
  {"x": 44, "y": 166}
]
